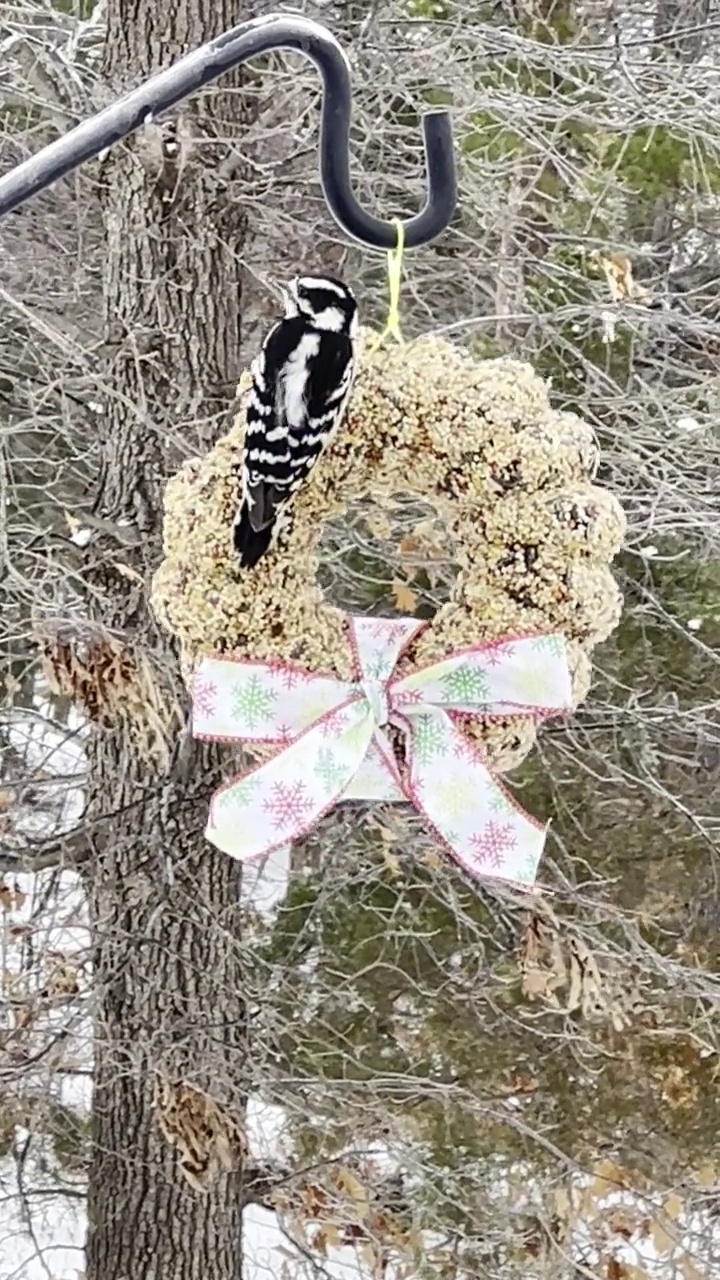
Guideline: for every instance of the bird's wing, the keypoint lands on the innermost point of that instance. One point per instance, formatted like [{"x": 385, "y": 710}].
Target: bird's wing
[
  {"x": 334, "y": 367},
  {"x": 267, "y": 455}
]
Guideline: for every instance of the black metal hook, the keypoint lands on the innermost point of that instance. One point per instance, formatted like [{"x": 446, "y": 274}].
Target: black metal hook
[{"x": 248, "y": 40}]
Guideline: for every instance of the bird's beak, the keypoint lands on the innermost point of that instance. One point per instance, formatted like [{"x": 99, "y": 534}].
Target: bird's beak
[{"x": 280, "y": 292}]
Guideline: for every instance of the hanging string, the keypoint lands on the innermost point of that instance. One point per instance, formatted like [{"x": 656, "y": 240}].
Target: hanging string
[{"x": 391, "y": 328}]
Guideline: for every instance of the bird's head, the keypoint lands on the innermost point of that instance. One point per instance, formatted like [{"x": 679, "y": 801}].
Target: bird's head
[{"x": 324, "y": 301}]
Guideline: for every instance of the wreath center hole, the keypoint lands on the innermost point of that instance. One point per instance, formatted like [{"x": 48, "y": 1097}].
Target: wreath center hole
[{"x": 393, "y": 558}]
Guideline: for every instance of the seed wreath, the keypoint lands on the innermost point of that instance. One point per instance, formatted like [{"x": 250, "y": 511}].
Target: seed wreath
[{"x": 509, "y": 477}]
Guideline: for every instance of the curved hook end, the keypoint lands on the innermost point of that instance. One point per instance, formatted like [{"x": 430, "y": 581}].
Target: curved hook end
[{"x": 442, "y": 180}]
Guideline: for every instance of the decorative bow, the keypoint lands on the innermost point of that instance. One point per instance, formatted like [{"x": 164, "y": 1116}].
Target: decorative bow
[{"x": 333, "y": 745}]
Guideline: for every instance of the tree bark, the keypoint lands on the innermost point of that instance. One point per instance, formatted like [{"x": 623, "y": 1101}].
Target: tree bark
[
  {"x": 681, "y": 24},
  {"x": 164, "y": 904}
]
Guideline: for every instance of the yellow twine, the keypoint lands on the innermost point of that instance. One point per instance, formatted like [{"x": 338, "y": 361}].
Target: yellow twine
[{"x": 394, "y": 270}]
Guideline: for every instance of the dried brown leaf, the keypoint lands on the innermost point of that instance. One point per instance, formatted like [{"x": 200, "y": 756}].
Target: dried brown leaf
[
  {"x": 690, "y": 1271},
  {"x": 126, "y": 571},
  {"x": 63, "y": 981},
  {"x": 352, "y": 1189},
  {"x": 432, "y": 858},
  {"x": 326, "y": 1237},
  {"x": 405, "y": 599},
  {"x": 391, "y": 860},
  {"x": 72, "y": 523},
  {"x": 314, "y": 1199},
  {"x": 558, "y": 969},
  {"x": 623, "y": 1221},
  {"x": 22, "y": 1017},
  {"x": 575, "y": 992},
  {"x": 410, "y": 545},
  {"x": 563, "y": 1203},
  {"x": 379, "y": 524},
  {"x": 534, "y": 982},
  {"x": 524, "y": 1084},
  {"x": 663, "y": 1240},
  {"x": 619, "y": 276},
  {"x": 372, "y": 1258},
  {"x": 706, "y": 1176},
  {"x": 609, "y": 1176},
  {"x": 678, "y": 1088},
  {"x": 12, "y": 686},
  {"x": 673, "y": 1206}
]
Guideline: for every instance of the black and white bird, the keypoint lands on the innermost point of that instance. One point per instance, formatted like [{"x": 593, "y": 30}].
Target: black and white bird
[{"x": 302, "y": 378}]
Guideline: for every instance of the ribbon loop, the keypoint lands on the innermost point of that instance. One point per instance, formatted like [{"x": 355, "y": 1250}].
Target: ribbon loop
[{"x": 332, "y": 746}]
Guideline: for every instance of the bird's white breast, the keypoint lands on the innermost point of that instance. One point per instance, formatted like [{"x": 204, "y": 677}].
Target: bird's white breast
[{"x": 294, "y": 379}]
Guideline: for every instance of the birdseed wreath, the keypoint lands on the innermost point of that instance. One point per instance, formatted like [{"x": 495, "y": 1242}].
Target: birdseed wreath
[{"x": 508, "y": 476}]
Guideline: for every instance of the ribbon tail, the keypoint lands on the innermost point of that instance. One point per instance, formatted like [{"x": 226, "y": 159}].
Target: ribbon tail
[
  {"x": 465, "y": 806},
  {"x": 283, "y": 799},
  {"x": 378, "y": 779}
]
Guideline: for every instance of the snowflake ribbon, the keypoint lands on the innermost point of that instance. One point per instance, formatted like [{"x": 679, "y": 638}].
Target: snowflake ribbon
[{"x": 333, "y": 746}]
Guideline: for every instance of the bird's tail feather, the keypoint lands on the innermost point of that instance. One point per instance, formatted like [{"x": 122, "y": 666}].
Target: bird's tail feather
[{"x": 251, "y": 544}]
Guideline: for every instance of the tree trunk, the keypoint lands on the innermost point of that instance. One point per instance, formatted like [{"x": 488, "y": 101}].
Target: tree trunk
[
  {"x": 164, "y": 904},
  {"x": 683, "y": 23}
]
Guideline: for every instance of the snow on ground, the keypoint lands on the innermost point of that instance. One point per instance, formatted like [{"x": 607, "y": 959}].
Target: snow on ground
[{"x": 42, "y": 1230}]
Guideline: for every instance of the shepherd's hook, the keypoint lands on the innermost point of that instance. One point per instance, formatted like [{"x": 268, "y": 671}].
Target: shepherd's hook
[{"x": 248, "y": 40}]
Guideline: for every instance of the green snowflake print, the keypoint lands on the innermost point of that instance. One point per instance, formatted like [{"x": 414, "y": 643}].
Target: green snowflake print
[
  {"x": 465, "y": 685},
  {"x": 527, "y": 874},
  {"x": 330, "y": 772},
  {"x": 378, "y": 665},
  {"x": 240, "y": 793},
  {"x": 456, "y": 796},
  {"x": 553, "y": 645},
  {"x": 253, "y": 702},
  {"x": 500, "y": 803},
  {"x": 429, "y": 740}
]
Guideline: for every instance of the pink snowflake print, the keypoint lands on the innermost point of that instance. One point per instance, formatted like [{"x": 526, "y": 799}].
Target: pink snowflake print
[
  {"x": 493, "y": 843},
  {"x": 497, "y": 654},
  {"x": 288, "y": 805},
  {"x": 285, "y": 733},
  {"x": 398, "y": 631},
  {"x": 204, "y": 695},
  {"x": 407, "y": 698},
  {"x": 333, "y": 724},
  {"x": 388, "y": 629},
  {"x": 292, "y": 676},
  {"x": 464, "y": 748}
]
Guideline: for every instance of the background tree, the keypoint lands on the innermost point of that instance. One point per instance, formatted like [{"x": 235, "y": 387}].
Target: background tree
[{"x": 163, "y": 910}]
